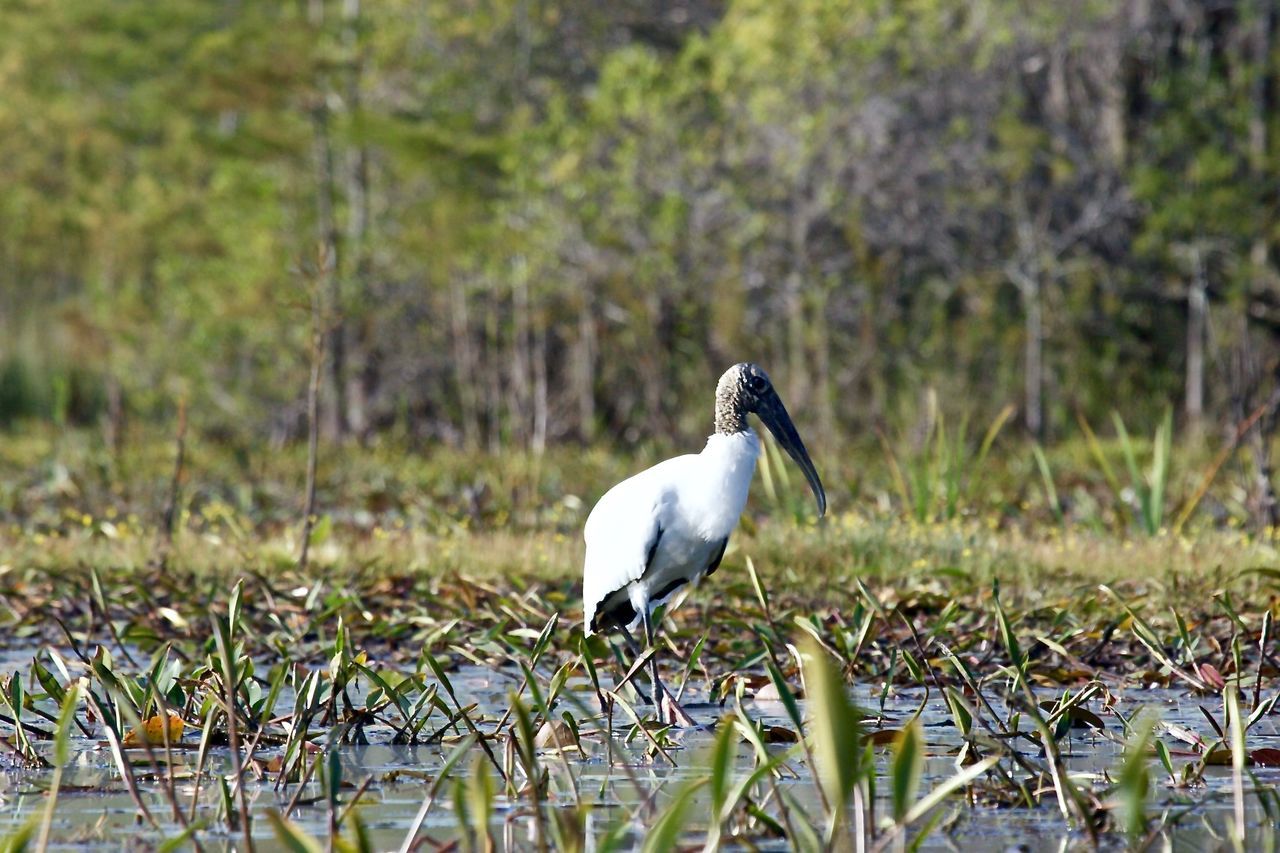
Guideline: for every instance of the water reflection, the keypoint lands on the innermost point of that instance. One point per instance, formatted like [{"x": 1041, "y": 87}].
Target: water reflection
[{"x": 94, "y": 808}]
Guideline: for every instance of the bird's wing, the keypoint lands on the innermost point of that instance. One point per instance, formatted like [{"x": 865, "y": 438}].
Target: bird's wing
[{"x": 621, "y": 533}]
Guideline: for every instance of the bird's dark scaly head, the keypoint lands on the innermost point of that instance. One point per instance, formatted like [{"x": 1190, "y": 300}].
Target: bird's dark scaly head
[
  {"x": 742, "y": 388},
  {"x": 745, "y": 388}
]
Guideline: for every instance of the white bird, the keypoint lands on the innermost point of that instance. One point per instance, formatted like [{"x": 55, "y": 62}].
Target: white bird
[{"x": 669, "y": 525}]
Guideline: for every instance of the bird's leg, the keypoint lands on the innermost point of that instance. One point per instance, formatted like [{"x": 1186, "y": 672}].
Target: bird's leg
[
  {"x": 631, "y": 642},
  {"x": 636, "y": 651},
  {"x": 668, "y": 709}
]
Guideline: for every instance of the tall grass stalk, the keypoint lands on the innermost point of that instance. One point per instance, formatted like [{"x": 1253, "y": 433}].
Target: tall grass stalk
[
  {"x": 446, "y": 771},
  {"x": 1150, "y": 489},
  {"x": 1219, "y": 460},
  {"x": 61, "y": 752},
  {"x": 837, "y": 733},
  {"x": 1134, "y": 781},
  {"x": 1238, "y": 757},
  {"x": 942, "y": 474},
  {"x": 665, "y": 832},
  {"x": 319, "y": 333},
  {"x": 1046, "y": 477}
]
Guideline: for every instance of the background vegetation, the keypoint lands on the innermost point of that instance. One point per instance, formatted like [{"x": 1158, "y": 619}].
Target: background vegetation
[
  {"x": 459, "y": 265},
  {"x": 542, "y": 221}
]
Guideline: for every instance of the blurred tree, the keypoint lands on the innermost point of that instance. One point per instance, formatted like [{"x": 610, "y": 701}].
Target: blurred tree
[{"x": 556, "y": 220}]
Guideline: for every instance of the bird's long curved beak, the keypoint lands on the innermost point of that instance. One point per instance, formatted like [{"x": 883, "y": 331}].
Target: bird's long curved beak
[{"x": 775, "y": 417}]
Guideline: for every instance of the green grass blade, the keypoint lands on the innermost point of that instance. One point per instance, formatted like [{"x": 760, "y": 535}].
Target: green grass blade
[
  {"x": 61, "y": 753},
  {"x": 906, "y": 769},
  {"x": 785, "y": 695},
  {"x": 895, "y": 472},
  {"x": 978, "y": 468},
  {"x": 291, "y": 836},
  {"x": 1238, "y": 756},
  {"x": 1046, "y": 476},
  {"x": 665, "y": 833},
  {"x": 724, "y": 751},
  {"x": 1160, "y": 472},
  {"x": 1134, "y": 782},
  {"x": 836, "y": 729},
  {"x": 941, "y": 792},
  {"x": 1108, "y": 473}
]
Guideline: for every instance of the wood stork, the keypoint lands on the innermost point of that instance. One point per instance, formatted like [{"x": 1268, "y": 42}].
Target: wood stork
[{"x": 669, "y": 525}]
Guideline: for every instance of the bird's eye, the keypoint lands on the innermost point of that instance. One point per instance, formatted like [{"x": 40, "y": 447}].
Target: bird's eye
[{"x": 757, "y": 383}]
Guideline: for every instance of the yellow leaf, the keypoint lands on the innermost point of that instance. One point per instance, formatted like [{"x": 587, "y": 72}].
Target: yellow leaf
[{"x": 152, "y": 732}]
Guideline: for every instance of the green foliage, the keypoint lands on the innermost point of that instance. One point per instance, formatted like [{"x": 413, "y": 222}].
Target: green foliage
[
  {"x": 837, "y": 732},
  {"x": 907, "y": 766},
  {"x": 1149, "y": 489},
  {"x": 944, "y": 474},
  {"x": 1133, "y": 785},
  {"x": 810, "y": 780},
  {"x": 665, "y": 832},
  {"x": 560, "y": 221},
  {"x": 291, "y": 836},
  {"x": 1046, "y": 477}
]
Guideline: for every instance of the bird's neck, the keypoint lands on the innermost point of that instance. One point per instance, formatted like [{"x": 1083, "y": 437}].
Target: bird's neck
[
  {"x": 728, "y": 455},
  {"x": 727, "y": 465},
  {"x": 731, "y": 415}
]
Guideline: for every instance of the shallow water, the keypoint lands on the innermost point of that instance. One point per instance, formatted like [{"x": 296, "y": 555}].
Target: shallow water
[{"x": 95, "y": 810}]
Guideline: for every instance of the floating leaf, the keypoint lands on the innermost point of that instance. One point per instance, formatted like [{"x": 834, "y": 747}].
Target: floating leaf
[
  {"x": 1081, "y": 718},
  {"x": 1265, "y": 757},
  {"x": 1210, "y": 675},
  {"x": 780, "y": 734},
  {"x": 770, "y": 693},
  {"x": 1219, "y": 756},
  {"x": 152, "y": 731},
  {"x": 555, "y": 734},
  {"x": 884, "y": 737}
]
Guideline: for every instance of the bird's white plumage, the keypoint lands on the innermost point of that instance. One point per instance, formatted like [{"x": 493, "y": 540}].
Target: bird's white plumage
[{"x": 693, "y": 501}]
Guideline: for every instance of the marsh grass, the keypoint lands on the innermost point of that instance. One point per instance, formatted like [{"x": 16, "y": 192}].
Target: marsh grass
[
  {"x": 1021, "y": 617},
  {"x": 1144, "y": 499},
  {"x": 941, "y": 473},
  {"x": 369, "y": 647}
]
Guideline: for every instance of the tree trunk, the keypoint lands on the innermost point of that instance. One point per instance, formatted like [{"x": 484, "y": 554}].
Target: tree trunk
[
  {"x": 538, "y": 440},
  {"x": 1197, "y": 305},
  {"x": 330, "y": 415},
  {"x": 797, "y": 361},
  {"x": 465, "y": 373},
  {"x": 1033, "y": 356},
  {"x": 493, "y": 373},
  {"x": 520, "y": 390},
  {"x": 1027, "y": 272},
  {"x": 1262, "y": 167},
  {"x": 822, "y": 367},
  {"x": 1246, "y": 379},
  {"x": 1113, "y": 108},
  {"x": 584, "y": 369},
  {"x": 356, "y": 385},
  {"x": 1267, "y": 511}
]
